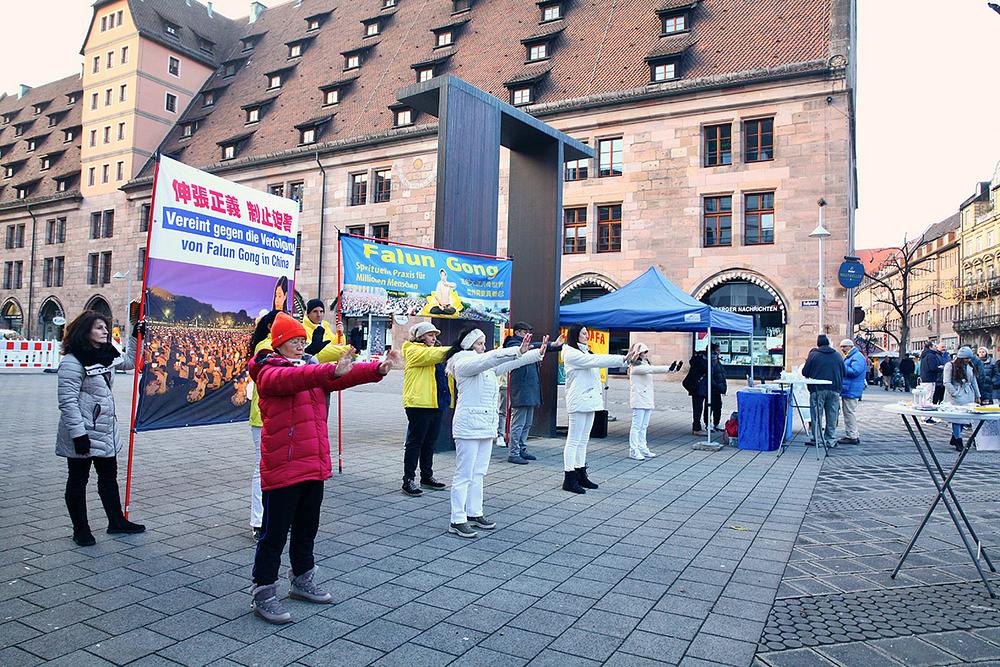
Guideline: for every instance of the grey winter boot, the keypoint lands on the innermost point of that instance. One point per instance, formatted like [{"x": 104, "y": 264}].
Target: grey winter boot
[
  {"x": 303, "y": 587},
  {"x": 266, "y": 604}
]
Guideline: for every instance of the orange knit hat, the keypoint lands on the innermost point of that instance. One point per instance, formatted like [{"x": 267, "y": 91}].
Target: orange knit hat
[{"x": 284, "y": 329}]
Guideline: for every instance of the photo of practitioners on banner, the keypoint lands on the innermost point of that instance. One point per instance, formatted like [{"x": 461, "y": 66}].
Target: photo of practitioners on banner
[
  {"x": 389, "y": 279},
  {"x": 219, "y": 255}
]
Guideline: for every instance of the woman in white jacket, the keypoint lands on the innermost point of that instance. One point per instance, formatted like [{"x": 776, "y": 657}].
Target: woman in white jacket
[
  {"x": 584, "y": 397},
  {"x": 474, "y": 424},
  {"x": 640, "y": 395}
]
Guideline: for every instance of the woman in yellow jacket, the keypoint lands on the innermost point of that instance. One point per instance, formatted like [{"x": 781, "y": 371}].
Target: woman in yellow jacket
[
  {"x": 425, "y": 395},
  {"x": 260, "y": 340}
]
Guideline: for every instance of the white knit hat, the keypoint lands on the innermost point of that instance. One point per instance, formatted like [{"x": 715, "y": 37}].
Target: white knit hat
[{"x": 422, "y": 329}]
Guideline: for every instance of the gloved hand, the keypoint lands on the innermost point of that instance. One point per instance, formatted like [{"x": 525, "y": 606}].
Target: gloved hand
[
  {"x": 81, "y": 445},
  {"x": 317, "y": 342},
  {"x": 139, "y": 328}
]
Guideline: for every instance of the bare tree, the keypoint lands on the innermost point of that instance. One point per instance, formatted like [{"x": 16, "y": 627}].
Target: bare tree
[{"x": 897, "y": 285}]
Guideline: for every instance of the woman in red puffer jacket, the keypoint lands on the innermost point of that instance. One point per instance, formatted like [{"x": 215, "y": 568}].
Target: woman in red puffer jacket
[{"x": 295, "y": 457}]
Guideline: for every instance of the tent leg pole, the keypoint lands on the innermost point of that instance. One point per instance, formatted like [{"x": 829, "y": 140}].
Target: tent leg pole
[{"x": 708, "y": 389}]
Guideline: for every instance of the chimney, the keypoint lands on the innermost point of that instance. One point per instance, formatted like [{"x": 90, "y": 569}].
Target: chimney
[
  {"x": 209, "y": 9},
  {"x": 256, "y": 9},
  {"x": 22, "y": 90}
]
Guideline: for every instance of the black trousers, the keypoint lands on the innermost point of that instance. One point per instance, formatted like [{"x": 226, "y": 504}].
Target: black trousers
[
  {"x": 938, "y": 393},
  {"x": 421, "y": 434},
  {"x": 699, "y": 410},
  {"x": 294, "y": 507},
  {"x": 107, "y": 490}
]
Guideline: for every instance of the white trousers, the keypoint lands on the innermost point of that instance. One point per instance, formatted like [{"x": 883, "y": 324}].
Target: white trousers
[
  {"x": 472, "y": 459},
  {"x": 256, "y": 506},
  {"x": 637, "y": 435},
  {"x": 575, "y": 451}
]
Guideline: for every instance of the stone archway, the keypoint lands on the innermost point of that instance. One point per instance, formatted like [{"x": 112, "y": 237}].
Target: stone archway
[
  {"x": 50, "y": 310},
  {"x": 100, "y": 304},
  {"x": 11, "y": 316},
  {"x": 298, "y": 306},
  {"x": 578, "y": 284}
]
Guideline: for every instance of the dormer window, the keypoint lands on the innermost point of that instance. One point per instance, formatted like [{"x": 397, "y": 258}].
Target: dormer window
[
  {"x": 663, "y": 70},
  {"x": 188, "y": 129},
  {"x": 231, "y": 147},
  {"x": 72, "y": 98},
  {"x": 386, "y": 4},
  {"x": 674, "y": 22},
  {"x": 520, "y": 96},
  {"x": 9, "y": 171},
  {"x": 371, "y": 28},
  {"x": 402, "y": 117},
  {"x": 538, "y": 51},
  {"x": 171, "y": 29},
  {"x": 23, "y": 191},
  {"x": 352, "y": 61},
  {"x": 229, "y": 151},
  {"x": 274, "y": 81},
  {"x": 62, "y": 184},
  {"x": 295, "y": 50},
  {"x": 315, "y": 21},
  {"x": 53, "y": 119},
  {"x": 205, "y": 45},
  {"x": 445, "y": 38},
  {"x": 46, "y": 162},
  {"x": 307, "y": 136},
  {"x": 253, "y": 114},
  {"x": 37, "y": 109},
  {"x": 32, "y": 145},
  {"x": 551, "y": 12},
  {"x": 250, "y": 42},
  {"x": 331, "y": 96},
  {"x": 425, "y": 74},
  {"x": 18, "y": 130},
  {"x": 208, "y": 98},
  {"x": 68, "y": 135},
  {"x": 309, "y": 131},
  {"x": 312, "y": 24},
  {"x": 460, "y": 6},
  {"x": 229, "y": 70}
]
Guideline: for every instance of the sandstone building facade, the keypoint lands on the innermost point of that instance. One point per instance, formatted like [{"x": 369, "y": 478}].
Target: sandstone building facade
[{"x": 717, "y": 126}]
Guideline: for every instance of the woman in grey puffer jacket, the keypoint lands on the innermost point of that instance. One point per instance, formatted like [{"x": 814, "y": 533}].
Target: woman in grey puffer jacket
[{"x": 88, "y": 425}]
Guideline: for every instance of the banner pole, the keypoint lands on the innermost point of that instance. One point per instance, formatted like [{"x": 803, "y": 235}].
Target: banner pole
[
  {"x": 136, "y": 369},
  {"x": 340, "y": 405}
]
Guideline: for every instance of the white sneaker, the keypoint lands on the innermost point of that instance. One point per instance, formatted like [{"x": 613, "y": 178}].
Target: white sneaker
[
  {"x": 636, "y": 456},
  {"x": 648, "y": 454}
]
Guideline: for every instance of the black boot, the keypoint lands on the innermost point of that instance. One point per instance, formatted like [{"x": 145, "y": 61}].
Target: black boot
[
  {"x": 570, "y": 482},
  {"x": 107, "y": 489},
  {"x": 956, "y": 443},
  {"x": 581, "y": 476},
  {"x": 76, "y": 503}
]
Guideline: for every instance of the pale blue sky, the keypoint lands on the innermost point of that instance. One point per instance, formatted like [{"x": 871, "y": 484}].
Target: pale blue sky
[{"x": 928, "y": 99}]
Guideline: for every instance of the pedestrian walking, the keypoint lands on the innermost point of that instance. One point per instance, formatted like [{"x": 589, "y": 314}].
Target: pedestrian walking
[
  {"x": 425, "y": 396},
  {"x": 907, "y": 367},
  {"x": 961, "y": 387},
  {"x": 824, "y": 363},
  {"x": 584, "y": 397},
  {"x": 525, "y": 389},
  {"x": 88, "y": 433},
  {"x": 294, "y": 391},
  {"x": 641, "y": 400},
  {"x": 474, "y": 371},
  {"x": 986, "y": 379},
  {"x": 855, "y": 367},
  {"x": 888, "y": 368},
  {"x": 931, "y": 369}
]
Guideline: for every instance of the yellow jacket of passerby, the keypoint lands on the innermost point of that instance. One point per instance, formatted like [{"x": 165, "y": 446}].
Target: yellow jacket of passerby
[
  {"x": 332, "y": 352},
  {"x": 419, "y": 384}
]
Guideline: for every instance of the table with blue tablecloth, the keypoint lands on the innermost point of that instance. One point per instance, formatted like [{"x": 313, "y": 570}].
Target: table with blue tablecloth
[{"x": 763, "y": 417}]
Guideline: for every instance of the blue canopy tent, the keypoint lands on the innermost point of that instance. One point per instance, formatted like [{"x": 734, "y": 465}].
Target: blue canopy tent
[{"x": 653, "y": 303}]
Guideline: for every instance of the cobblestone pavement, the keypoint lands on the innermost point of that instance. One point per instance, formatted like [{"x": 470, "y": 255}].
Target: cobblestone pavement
[{"x": 693, "y": 557}]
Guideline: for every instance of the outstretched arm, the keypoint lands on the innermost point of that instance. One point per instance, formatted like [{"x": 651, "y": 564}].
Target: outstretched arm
[
  {"x": 577, "y": 359},
  {"x": 646, "y": 369},
  {"x": 532, "y": 357},
  {"x": 468, "y": 365}
]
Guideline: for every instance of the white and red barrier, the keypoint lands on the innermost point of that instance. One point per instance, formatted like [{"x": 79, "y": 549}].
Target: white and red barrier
[{"x": 29, "y": 354}]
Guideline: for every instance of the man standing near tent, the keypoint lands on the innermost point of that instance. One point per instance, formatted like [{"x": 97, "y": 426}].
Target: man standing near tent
[
  {"x": 824, "y": 363},
  {"x": 525, "y": 395}
]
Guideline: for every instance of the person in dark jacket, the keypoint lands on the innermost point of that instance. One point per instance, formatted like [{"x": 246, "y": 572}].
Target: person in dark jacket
[
  {"x": 525, "y": 389},
  {"x": 906, "y": 369},
  {"x": 931, "y": 370},
  {"x": 887, "y": 367},
  {"x": 986, "y": 367},
  {"x": 719, "y": 387},
  {"x": 697, "y": 368},
  {"x": 824, "y": 363}
]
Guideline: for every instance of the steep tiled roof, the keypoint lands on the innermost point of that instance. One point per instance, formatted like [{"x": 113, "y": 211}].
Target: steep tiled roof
[
  {"x": 599, "y": 47},
  {"x": 939, "y": 229},
  {"x": 194, "y": 23},
  {"x": 65, "y": 156}
]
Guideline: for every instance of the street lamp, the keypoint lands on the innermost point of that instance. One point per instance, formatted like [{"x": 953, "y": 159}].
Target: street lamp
[
  {"x": 125, "y": 276},
  {"x": 820, "y": 233}
]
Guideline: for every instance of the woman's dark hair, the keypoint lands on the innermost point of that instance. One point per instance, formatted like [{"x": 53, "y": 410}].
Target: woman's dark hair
[
  {"x": 456, "y": 347},
  {"x": 573, "y": 337},
  {"x": 283, "y": 285},
  {"x": 76, "y": 338},
  {"x": 958, "y": 368},
  {"x": 261, "y": 331}
]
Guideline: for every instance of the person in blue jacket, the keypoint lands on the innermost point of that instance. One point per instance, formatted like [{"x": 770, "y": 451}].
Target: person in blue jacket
[{"x": 855, "y": 369}]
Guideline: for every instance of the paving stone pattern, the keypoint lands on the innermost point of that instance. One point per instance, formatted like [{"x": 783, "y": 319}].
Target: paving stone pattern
[
  {"x": 673, "y": 561},
  {"x": 836, "y": 603}
]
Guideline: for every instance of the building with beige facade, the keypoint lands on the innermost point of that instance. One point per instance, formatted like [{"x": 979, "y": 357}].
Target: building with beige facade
[
  {"x": 717, "y": 126},
  {"x": 980, "y": 321}
]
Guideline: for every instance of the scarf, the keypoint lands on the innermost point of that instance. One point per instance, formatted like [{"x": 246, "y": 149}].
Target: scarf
[{"x": 104, "y": 355}]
